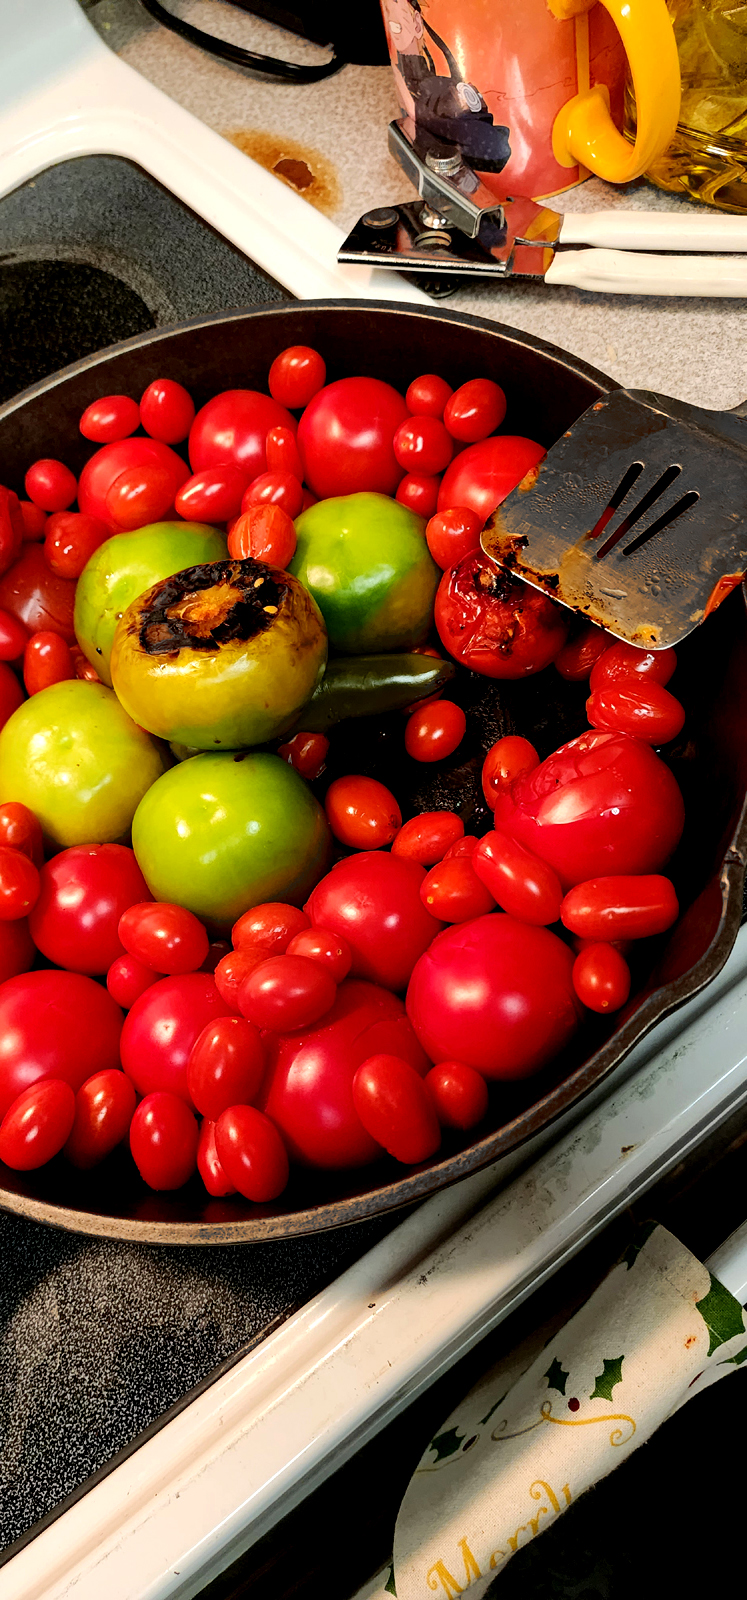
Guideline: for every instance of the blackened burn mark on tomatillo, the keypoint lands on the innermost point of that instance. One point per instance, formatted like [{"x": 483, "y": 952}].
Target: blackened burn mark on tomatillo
[{"x": 205, "y": 607}]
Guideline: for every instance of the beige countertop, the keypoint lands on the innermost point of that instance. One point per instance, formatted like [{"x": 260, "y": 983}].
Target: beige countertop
[{"x": 691, "y": 348}]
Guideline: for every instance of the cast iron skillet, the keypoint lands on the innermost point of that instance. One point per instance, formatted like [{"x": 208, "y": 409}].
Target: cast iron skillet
[{"x": 546, "y": 391}]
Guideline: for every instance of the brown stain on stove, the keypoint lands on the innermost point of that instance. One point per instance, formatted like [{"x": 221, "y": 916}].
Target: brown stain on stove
[{"x": 302, "y": 168}]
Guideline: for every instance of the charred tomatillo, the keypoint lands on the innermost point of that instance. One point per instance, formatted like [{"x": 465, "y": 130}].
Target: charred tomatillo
[
  {"x": 221, "y": 656},
  {"x": 221, "y": 833},
  {"x": 74, "y": 757},
  {"x": 124, "y": 567},
  {"x": 366, "y": 562}
]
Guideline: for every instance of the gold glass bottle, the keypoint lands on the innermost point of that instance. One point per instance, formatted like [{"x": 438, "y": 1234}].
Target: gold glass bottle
[{"x": 707, "y": 158}]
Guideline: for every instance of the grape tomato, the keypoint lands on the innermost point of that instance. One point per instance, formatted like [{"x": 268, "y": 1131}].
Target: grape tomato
[
  {"x": 287, "y": 992},
  {"x": 167, "y": 411},
  {"x": 361, "y": 812},
  {"x": 296, "y": 375},
  {"x": 50, "y": 485},
  {"x": 601, "y": 977},
  {"x": 331, "y": 951},
  {"x": 475, "y": 410},
  {"x": 46, "y": 660},
  {"x": 638, "y": 706},
  {"x": 453, "y": 892},
  {"x": 275, "y": 488},
  {"x": 13, "y": 637},
  {"x": 622, "y": 661},
  {"x": 427, "y": 395},
  {"x": 139, "y": 495},
  {"x": 520, "y": 883},
  {"x": 306, "y": 753},
  {"x": 209, "y": 1167},
  {"x": 251, "y": 1153},
  {"x": 452, "y": 534},
  {"x": 19, "y": 884},
  {"x": 263, "y": 533},
  {"x": 282, "y": 452},
  {"x": 422, "y": 444},
  {"x": 625, "y": 907},
  {"x": 104, "y": 1108},
  {"x": 128, "y": 978},
  {"x": 21, "y": 830},
  {"x": 114, "y": 416},
  {"x": 578, "y": 657},
  {"x": 396, "y": 1109},
  {"x": 459, "y": 1094},
  {"x": 226, "y": 1066},
  {"x": 435, "y": 730},
  {"x": 507, "y": 759},
  {"x": 419, "y": 493},
  {"x": 70, "y": 540},
  {"x": 427, "y": 837},
  {"x": 270, "y": 926},
  {"x": 163, "y": 1141},
  {"x": 212, "y": 495},
  {"x": 233, "y": 968},
  {"x": 37, "y": 1124},
  {"x": 166, "y": 937}
]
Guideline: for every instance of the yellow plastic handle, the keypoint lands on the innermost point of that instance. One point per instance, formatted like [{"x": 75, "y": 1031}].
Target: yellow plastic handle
[{"x": 584, "y": 133}]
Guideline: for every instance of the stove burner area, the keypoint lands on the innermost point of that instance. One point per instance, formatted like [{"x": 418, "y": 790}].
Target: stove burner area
[{"x": 55, "y": 312}]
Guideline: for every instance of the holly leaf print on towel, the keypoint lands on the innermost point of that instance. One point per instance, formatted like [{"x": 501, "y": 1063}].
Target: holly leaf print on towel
[
  {"x": 721, "y": 1313},
  {"x": 605, "y": 1382},
  {"x": 557, "y": 1377},
  {"x": 447, "y": 1443}
]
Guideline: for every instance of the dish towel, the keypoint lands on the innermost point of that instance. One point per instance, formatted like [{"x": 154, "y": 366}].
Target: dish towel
[{"x": 535, "y": 1433}]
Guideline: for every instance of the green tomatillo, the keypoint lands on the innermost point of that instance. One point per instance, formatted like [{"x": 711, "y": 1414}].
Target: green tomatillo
[
  {"x": 73, "y": 756},
  {"x": 365, "y": 560},
  {"x": 124, "y": 567},
  {"x": 219, "y": 657},
  {"x": 221, "y": 833}
]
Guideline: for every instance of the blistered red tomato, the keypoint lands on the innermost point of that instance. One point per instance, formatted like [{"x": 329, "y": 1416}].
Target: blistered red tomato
[
  {"x": 226, "y": 1066},
  {"x": 452, "y": 534},
  {"x": 19, "y": 884},
  {"x": 396, "y": 1109},
  {"x": 46, "y": 660},
  {"x": 296, "y": 375},
  {"x": 482, "y": 475},
  {"x": 496, "y": 994},
  {"x": 36, "y": 1125},
  {"x": 602, "y": 803},
  {"x": 160, "y": 1030},
  {"x": 495, "y": 624},
  {"x": 264, "y": 533},
  {"x": 520, "y": 883},
  {"x": 251, "y": 1153},
  {"x": 427, "y": 395},
  {"x": 362, "y": 812},
  {"x": 577, "y": 658},
  {"x": 104, "y": 1108},
  {"x": 166, "y": 937},
  {"x": 427, "y": 837},
  {"x": 54, "y": 1025},
  {"x": 638, "y": 706},
  {"x": 435, "y": 730},
  {"x": 50, "y": 485},
  {"x": 459, "y": 1094},
  {"x": 507, "y": 759},
  {"x": 163, "y": 1141},
  {"x": 474, "y": 410},
  {"x": 601, "y": 977},
  {"x": 366, "y": 893},
  {"x": 622, "y": 661},
  {"x": 271, "y": 926},
  {"x": 287, "y": 992},
  {"x": 307, "y": 753},
  {"x": 83, "y": 893},
  {"x": 114, "y": 416},
  {"x": 453, "y": 892},
  {"x": 345, "y": 437},
  {"x": 167, "y": 411},
  {"x": 625, "y": 907}
]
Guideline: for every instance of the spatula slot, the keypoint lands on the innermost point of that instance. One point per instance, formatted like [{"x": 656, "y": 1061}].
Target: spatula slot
[
  {"x": 650, "y": 497},
  {"x": 683, "y": 504},
  {"x": 634, "y": 471}
]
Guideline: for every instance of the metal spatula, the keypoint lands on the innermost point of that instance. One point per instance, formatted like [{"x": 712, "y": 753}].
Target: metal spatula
[{"x": 637, "y": 517}]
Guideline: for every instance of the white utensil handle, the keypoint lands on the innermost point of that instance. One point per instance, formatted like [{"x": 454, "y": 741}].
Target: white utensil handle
[
  {"x": 620, "y": 272},
  {"x": 655, "y": 230}
]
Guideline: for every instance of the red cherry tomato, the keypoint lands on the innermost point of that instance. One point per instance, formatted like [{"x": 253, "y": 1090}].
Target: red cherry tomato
[
  {"x": 233, "y": 968},
  {"x": 345, "y": 437},
  {"x": 34, "y": 520},
  {"x": 11, "y": 693},
  {"x": 426, "y": 838},
  {"x": 19, "y": 884},
  {"x": 419, "y": 493},
  {"x": 128, "y": 978},
  {"x": 601, "y": 978},
  {"x": 251, "y": 1153},
  {"x": 519, "y": 882},
  {"x": 435, "y": 731},
  {"x": 427, "y": 395},
  {"x": 307, "y": 753},
  {"x": 226, "y": 1066},
  {"x": 233, "y": 427},
  {"x": 113, "y": 417},
  {"x": 482, "y": 475},
  {"x": 36, "y": 1125},
  {"x": 396, "y": 1109},
  {"x": 496, "y": 994},
  {"x": 37, "y": 597},
  {"x": 208, "y": 1163},
  {"x": 50, "y": 485},
  {"x": 363, "y": 895},
  {"x": 166, "y": 937},
  {"x": 83, "y": 893},
  {"x": 474, "y": 410},
  {"x": 139, "y": 495},
  {"x": 638, "y": 706},
  {"x": 20, "y": 830},
  {"x": 54, "y": 1025},
  {"x": 70, "y": 541},
  {"x": 422, "y": 444},
  {"x": 602, "y": 803},
  {"x": 274, "y": 489},
  {"x": 264, "y": 533},
  {"x": 462, "y": 847},
  {"x": 453, "y": 891},
  {"x": 12, "y": 528},
  {"x": 167, "y": 411},
  {"x": 361, "y": 812},
  {"x": 623, "y": 661},
  {"x": 13, "y": 637},
  {"x": 459, "y": 1094},
  {"x": 17, "y": 950},
  {"x": 83, "y": 668},
  {"x": 108, "y": 463},
  {"x": 577, "y": 658},
  {"x": 296, "y": 375},
  {"x": 507, "y": 759},
  {"x": 331, "y": 951},
  {"x": 104, "y": 1108},
  {"x": 46, "y": 660},
  {"x": 495, "y": 624},
  {"x": 282, "y": 452},
  {"x": 270, "y": 926},
  {"x": 163, "y": 1141},
  {"x": 287, "y": 992},
  {"x": 308, "y": 1086},
  {"x": 452, "y": 534},
  {"x": 160, "y": 1030},
  {"x": 212, "y": 495},
  {"x": 621, "y": 907}
]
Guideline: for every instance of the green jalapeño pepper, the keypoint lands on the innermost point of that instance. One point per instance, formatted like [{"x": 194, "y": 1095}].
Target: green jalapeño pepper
[
  {"x": 369, "y": 686},
  {"x": 365, "y": 560}
]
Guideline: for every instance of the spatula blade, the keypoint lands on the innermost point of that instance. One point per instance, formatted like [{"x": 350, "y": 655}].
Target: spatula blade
[{"x": 634, "y": 517}]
